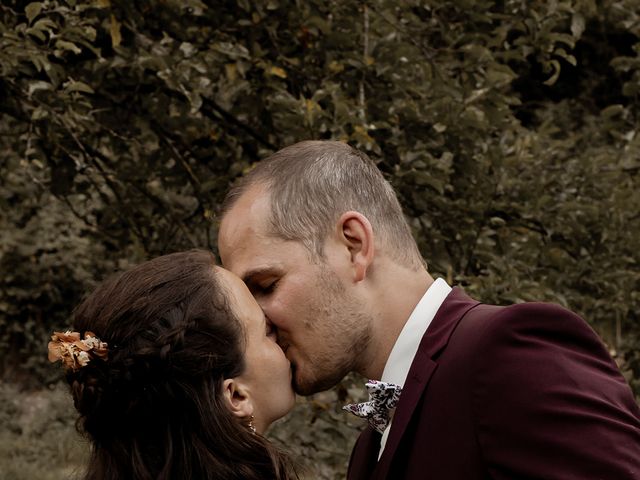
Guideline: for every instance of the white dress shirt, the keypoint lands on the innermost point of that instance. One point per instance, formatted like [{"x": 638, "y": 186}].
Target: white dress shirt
[{"x": 404, "y": 350}]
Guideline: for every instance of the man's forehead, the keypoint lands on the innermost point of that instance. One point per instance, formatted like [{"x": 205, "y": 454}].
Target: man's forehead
[
  {"x": 249, "y": 252},
  {"x": 246, "y": 219},
  {"x": 253, "y": 202}
]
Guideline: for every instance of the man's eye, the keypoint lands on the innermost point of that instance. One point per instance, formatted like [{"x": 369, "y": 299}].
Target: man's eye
[{"x": 268, "y": 287}]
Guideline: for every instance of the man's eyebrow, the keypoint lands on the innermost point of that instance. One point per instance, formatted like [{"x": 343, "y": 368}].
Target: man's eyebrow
[{"x": 250, "y": 276}]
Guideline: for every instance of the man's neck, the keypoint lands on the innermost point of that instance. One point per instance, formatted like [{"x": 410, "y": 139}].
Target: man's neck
[{"x": 394, "y": 299}]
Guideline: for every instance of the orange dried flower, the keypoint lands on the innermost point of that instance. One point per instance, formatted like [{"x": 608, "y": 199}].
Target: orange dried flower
[{"x": 74, "y": 352}]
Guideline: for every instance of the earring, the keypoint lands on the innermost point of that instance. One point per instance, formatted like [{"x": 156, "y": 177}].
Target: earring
[{"x": 251, "y": 425}]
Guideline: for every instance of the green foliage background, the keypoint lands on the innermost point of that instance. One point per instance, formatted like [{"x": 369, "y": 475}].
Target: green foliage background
[{"x": 509, "y": 129}]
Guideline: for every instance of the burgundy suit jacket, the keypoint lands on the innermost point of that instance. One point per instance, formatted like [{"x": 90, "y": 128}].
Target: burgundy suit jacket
[{"x": 520, "y": 392}]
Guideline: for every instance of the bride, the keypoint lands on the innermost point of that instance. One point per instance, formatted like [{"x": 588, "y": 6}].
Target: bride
[{"x": 176, "y": 374}]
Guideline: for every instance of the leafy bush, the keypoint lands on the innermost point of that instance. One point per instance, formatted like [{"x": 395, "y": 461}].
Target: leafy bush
[{"x": 38, "y": 439}]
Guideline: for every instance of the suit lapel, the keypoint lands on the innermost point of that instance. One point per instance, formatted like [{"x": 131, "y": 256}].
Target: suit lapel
[
  {"x": 411, "y": 393},
  {"x": 365, "y": 455},
  {"x": 422, "y": 368}
]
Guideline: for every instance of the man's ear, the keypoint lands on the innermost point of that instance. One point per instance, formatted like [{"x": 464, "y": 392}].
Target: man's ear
[
  {"x": 356, "y": 233},
  {"x": 237, "y": 397}
]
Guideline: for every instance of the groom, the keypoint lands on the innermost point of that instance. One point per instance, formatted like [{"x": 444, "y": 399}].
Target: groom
[{"x": 525, "y": 391}]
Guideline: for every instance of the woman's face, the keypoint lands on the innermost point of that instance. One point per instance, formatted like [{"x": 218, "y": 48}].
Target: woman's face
[{"x": 267, "y": 373}]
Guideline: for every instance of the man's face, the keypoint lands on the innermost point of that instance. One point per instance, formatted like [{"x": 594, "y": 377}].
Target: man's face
[{"x": 321, "y": 328}]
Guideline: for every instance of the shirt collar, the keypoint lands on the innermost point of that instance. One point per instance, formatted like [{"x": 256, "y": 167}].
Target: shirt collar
[{"x": 404, "y": 350}]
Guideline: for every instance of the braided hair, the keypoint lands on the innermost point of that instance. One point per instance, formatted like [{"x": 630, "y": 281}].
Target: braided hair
[{"x": 155, "y": 408}]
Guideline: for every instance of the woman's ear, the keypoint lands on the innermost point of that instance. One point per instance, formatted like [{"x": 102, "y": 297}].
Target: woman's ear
[
  {"x": 237, "y": 397},
  {"x": 356, "y": 233}
]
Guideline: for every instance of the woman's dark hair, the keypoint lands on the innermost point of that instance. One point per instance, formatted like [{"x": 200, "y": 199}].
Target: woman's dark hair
[{"x": 155, "y": 408}]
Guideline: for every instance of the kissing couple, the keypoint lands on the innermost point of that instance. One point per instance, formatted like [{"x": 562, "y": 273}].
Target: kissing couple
[{"x": 178, "y": 366}]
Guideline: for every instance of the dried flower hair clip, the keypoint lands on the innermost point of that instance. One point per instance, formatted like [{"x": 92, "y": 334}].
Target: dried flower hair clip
[{"x": 74, "y": 352}]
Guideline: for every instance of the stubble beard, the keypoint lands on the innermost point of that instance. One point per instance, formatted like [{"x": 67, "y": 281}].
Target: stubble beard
[{"x": 343, "y": 331}]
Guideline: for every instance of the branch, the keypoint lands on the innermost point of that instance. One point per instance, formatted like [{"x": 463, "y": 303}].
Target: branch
[
  {"x": 165, "y": 137},
  {"x": 159, "y": 202},
  {"x": 210, "y": 107}
]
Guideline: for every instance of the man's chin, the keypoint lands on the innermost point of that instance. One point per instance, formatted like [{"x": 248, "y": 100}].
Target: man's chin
[
  {"x": 300, "y": 384},
  {"x": 308, "y": 386},
  {"x": 304, "y": 389}
]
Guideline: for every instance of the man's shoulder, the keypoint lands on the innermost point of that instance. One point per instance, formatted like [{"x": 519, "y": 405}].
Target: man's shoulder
[
  {"x": 491, "y": 316},
  {"x": 486, "y": 323}
]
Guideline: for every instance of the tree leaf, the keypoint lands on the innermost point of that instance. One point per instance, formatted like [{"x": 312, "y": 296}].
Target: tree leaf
[
  {"x": 65, "y": 45},
  {"x": 278, "y": 72},
  {"x": 76, "y": 86},
  {"x": 32, "y": 10},
  {"x": 577, "y": 25},
  {"x": 554, "y": 66},
  {"x": 114, "y": 32},
  {"x": 38, "y": 85}
]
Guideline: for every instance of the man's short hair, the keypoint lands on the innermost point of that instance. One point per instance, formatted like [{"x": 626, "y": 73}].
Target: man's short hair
[{"x": 312, "y": 183}]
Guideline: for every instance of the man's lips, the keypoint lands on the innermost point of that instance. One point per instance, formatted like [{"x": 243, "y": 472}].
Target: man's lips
[
  {"x": 284, "y": 346},
  {"x": 287, "y": 353}
]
